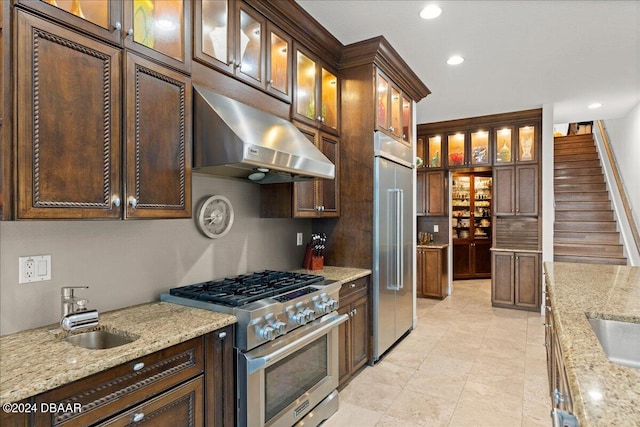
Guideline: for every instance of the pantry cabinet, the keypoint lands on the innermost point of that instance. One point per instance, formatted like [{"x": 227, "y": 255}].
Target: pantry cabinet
[
  {"x": 430, "y": 193},
  {"x": 353, "y": 347},
  {"x": 516, "y": 280},
  {"x": 71, "y": 161},
  {"x": 432, "y": 272},
  {"x": 516, "y": 190}
]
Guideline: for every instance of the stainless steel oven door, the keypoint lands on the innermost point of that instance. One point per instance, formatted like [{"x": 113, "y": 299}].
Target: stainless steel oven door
[{"x": 281, "y": 381}]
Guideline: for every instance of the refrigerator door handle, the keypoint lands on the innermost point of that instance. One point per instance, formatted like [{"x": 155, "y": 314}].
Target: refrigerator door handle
[
  {"x": 399, "y": 246},
  {"x": 394, "y": 272}
]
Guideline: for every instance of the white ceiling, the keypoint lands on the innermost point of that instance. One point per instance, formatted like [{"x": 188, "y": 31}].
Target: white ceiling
[{"x": 518, "y": 54}]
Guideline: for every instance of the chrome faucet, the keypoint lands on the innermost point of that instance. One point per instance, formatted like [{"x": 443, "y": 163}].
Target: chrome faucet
[{"x": 74, "y": 310}]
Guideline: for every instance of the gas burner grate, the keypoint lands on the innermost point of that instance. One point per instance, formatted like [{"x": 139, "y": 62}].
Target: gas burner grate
[{"x": 246, "y": 288}]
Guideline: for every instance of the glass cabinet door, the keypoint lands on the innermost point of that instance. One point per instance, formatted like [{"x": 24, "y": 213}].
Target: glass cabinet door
[
  {"x": 480, "y": 148},
  {"x": 249, "y": 47},
  {"x": 456, "y": 149},
  {"x": 461, "y": 207},
  {"x": 305, "y": 86},
  {"x": 434, "y": 148},
  {"x": 102, "y": 18},
  {"x": 279, "y": 68},
  {"x": 158, "y": 28},
  {"x": 526, "y": 144},
  {"x": 328, "y": 114},
  {"x": 212, "y": 30},
  {"x": 382, "y": 94},
  {"x": 504, "y": 145},
  {"x": 396, "y": 109},
  {"x": 407, "y": 119}
]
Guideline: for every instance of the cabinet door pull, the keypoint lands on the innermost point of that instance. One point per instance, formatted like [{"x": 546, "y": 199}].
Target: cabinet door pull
[
  {"x": 353, "y": 285},
  {"x": 116, "y": 202},
  {"x": 133, "y": 202},
  {"x": 138, "y": 366},
  {"x": 138, "y": 417},
  {"x": 355, "y": 310},
  {"x": 117, "y": 26},
  {"x": 222, "y": 335},
  {"x": 391, "y": 128},
  {"x": 130, "y": 32}
]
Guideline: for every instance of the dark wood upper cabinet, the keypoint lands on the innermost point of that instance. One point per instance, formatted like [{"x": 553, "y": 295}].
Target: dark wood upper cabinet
[
  {"x": 158, "y": 141},
  {"x": 394, "y": 109},
  {"x": 316, "y": 92},
  {"x": 69, "y": 151},
  {"x": 516, "y": 144},
  {"x": 70, "y": 159},
  {"x": 159, "y": 29},
  {"x": 516, "y": 190},
  {"x": 234, "y": 38},
  {"x": 430, "y": 193}
]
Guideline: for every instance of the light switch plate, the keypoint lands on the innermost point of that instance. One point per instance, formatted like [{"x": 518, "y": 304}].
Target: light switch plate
[
  {"x": 436, "y": 228},
  {"x": 35, "y": 268},
  {"x": 299, "y": 239}
]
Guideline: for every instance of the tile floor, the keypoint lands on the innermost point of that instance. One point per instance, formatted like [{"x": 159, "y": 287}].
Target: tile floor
[{"x": 465, "y": 364}]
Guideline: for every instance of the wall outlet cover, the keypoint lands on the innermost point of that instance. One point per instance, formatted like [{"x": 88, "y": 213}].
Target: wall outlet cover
[{"x": 35, "y": 268}]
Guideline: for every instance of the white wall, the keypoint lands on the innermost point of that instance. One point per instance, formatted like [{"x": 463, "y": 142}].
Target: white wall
[
  {"x": 131, "y": 262},
  {"x": 624, "y": 136}
]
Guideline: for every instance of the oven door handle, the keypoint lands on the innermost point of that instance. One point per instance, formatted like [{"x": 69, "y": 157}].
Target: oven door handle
[{"x": 257, "y": 363}]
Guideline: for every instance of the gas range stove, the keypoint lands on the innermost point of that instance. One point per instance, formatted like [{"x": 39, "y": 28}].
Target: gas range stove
[{"x": 268, "y": 304}]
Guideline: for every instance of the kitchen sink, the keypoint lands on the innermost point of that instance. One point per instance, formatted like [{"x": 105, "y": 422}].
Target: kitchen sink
[
  {"x": 99, "y": 340},
  {"x": 619, "y": 340}
]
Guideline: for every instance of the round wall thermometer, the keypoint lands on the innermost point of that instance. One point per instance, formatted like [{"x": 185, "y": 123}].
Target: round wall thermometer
[{"x": 215, "y": 216}]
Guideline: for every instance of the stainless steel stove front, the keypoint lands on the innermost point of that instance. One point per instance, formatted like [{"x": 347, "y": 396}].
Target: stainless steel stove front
[{"x": 280, "y": 382}]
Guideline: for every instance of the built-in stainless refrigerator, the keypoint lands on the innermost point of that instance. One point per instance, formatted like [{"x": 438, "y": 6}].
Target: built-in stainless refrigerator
[{"x": 392, "y": 242}]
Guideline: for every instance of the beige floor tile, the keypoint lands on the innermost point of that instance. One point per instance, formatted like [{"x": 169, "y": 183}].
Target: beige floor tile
[
  {"x": 465, "y": 364},
  {"x": 351, "y": 415},
  {"x": 419, "y": 409}
]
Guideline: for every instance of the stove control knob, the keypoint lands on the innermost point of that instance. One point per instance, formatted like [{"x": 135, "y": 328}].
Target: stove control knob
[
  {"x": 299, "y": 318},
  {"x": 309, "y": 314},
  {"x": 266, "y": 333},
  {"x": 323, "y": 307},
  {"x": 280, "y": 327},
  {"x": 332, "y": 303}
]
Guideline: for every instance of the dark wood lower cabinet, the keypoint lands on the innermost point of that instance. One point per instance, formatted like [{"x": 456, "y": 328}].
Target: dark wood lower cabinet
[
  {"x": 471, "y": 259},
  {"x": 354, "y": 333},
  {"x": 190, "y": 384},
  {"x": 432, "y": 272},
  {"x": 515, "y": 282}
]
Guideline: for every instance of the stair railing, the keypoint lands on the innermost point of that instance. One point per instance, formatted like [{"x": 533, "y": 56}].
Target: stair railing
[{"x": 626, "y": 222}]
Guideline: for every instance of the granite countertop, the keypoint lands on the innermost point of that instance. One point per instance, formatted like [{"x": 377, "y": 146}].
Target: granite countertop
[
  {"x": 604, "y": 393},
  {"x": 341, "y": 274},
  {"x": 433, "y": 245},
  {"x": 38, "y": 360}
]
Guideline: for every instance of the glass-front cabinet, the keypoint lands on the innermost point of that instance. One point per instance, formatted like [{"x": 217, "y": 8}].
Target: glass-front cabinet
[
  {"x": 234, "y": 38},
  {"x": 316, "y": 92},
  {"x": 394, "y": 111},
  {"x": 471, "y": 206},
  {"x": 468, "y": 148},
  {"x": 516, "y": 144},
  {"x": 159, "y": 29},
  {"x": 430, "y": 150},
  {"x": 456, "y": 149}
]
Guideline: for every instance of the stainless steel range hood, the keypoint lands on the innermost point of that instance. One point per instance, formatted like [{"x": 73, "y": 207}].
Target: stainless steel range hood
[{"x": 235, "y": 140}]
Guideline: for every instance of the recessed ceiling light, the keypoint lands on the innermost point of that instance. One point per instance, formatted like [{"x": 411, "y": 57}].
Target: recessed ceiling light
[
  {"x": 431, "y": 11},
  {"x": 455, "y": 60},
  {"x": 594, "y": 105}
]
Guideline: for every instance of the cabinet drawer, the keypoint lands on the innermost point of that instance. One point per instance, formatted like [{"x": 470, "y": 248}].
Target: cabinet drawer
[
  {"x": 106, "y": 393},
  {"x": 182, "y": 406},
  {"x": 353, "y": 287}
]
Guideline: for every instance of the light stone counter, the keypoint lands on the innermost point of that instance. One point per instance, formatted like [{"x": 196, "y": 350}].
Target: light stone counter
[
  {"x": 341, "y": 274},
  {"x": 433, "y": 246},
  {"x": 604, "y": 393},
  {"x": 38, "y": 360}
]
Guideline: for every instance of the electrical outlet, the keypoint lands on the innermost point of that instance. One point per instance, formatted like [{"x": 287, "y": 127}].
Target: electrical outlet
[
  {"x": 35, "y": 268},
  {"x": 299, "y": 239},
  {"x": 436, "y": 228}
]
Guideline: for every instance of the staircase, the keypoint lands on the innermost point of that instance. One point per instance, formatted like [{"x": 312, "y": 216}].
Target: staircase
[{"x": 585, "y": 229}]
